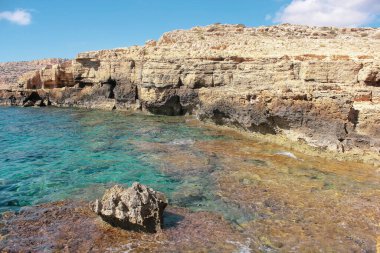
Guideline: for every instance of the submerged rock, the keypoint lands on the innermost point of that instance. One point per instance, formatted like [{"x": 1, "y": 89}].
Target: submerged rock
[{"x": 137, "y": 208}]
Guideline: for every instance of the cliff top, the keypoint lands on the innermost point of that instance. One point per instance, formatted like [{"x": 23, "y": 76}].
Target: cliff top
[{"x": 223, "y": 41}]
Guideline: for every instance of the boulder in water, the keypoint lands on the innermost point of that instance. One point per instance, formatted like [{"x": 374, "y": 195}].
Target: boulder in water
[{"x": 138, "y": 208}]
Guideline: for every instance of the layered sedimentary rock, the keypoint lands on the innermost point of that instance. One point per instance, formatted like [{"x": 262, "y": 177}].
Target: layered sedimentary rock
[
  {"x": 11, "y": 71},
  {"x": 319, "y": 85},
  {"x": 50, "y": 76}
]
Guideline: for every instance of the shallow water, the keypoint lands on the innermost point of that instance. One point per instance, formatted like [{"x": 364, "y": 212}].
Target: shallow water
[
  {"x": 278, "y": 199},
  {"x": 53, "y": 154}
]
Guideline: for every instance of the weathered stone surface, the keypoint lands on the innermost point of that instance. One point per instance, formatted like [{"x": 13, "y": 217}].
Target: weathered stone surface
[
  {"x": 11, "y": 71},
  {"x": 308, "y": 83},
  {"x": 370, "y": 75},
  {"x": 135, "y": 208}
]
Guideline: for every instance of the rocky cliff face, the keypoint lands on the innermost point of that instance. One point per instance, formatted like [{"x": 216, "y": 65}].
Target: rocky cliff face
[
  {"x": 319, "y": 85},
  {"x": 11, "y": 71}
]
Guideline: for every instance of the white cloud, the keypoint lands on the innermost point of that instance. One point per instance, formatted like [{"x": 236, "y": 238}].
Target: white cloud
[
  {"x": 350, "y": 13},
  {"x": 20, "y": 17}
]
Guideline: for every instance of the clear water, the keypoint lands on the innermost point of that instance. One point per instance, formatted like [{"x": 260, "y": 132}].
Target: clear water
[
  {"x": 50, "y": 154},
  {"x": 279, "y": 199}
]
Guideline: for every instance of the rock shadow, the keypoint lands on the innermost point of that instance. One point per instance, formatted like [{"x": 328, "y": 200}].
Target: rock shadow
[{"x": 172, "y": 220}]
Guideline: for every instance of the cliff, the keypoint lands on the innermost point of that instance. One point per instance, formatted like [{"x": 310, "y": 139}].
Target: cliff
[
  {"x": 316, "y": 85},
  {"x": 11, "y": 71}
]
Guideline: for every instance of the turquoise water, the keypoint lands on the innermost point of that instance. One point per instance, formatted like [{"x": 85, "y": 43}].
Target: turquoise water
[
  {"x": 275, "y": 196},
  {"x": 50, "y": 154}
]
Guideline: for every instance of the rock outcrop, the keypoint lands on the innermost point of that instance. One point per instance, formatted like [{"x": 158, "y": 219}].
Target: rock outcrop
[
  {"x": 137, "y": 208},
  {"x": 11, "y": 71},
  {"x": 315, "y": 85}
]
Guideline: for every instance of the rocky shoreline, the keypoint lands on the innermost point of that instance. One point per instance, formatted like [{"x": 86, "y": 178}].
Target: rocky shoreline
[
  {"x": 71, "y": 226},
  {"x": 319, "y": 86},
  {"x": 240, "y": 194}
]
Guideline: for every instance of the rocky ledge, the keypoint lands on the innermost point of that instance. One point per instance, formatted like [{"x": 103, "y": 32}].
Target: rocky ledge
[{"x": 315, "y": 85}]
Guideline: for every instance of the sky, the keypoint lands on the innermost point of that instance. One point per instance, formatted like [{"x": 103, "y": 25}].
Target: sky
[{"x": 36, "y": 29}]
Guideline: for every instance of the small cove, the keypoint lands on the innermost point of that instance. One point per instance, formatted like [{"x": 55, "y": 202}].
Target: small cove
[{"x": 51, "y": 154}]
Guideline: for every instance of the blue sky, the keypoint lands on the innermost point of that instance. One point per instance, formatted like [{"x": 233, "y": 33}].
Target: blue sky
[{"x": 35, "y": 29}]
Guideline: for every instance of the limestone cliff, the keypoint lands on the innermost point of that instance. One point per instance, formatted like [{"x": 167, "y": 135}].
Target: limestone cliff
[
  {"x": 11, "y": 71},
  {"x": 319, "y": 85}
]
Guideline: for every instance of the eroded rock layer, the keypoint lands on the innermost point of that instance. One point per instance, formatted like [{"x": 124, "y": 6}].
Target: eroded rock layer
[
  {"x": 319, "y": 85},
  {"x": 11, "y": 71}
]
